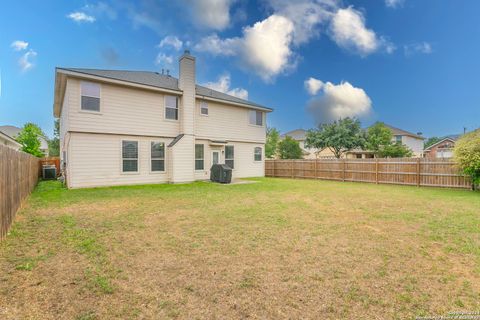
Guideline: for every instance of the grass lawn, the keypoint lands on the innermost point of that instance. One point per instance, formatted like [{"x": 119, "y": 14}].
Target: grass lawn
[{"x": 276, "y": 248}]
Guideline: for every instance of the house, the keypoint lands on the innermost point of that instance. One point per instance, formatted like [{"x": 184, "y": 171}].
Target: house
[
  {"x": 6, "y": 140},
  {"x": 442, "y": 149},
  {"x": 413, "y": 141},
  {"x": 13, "y": 132},
  {"x": 137, "y": 127}
]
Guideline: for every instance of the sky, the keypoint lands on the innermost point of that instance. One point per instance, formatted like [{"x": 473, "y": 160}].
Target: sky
[{"x": 409, "y": 63}]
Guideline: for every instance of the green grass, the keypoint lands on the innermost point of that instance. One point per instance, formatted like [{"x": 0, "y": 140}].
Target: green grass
[{"x": 277, "y": 248}]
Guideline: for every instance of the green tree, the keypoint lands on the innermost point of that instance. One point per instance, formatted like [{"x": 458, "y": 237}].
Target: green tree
[
  {"x": 378, "y": 137},
  {"x": 54, "y": 144},
  {"x": 431, "y": 141},
  {"x": 395, "y": 150},
  {"x": 467, "y": 155},
  {"x": 273, "y": 136},
  {"x": 289, "y": 148},
  {"x": 29, "y": 139},
  {"x": 340, "y": 136}
]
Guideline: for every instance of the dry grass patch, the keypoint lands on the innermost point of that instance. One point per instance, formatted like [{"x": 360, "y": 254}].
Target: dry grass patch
[{"x": 274, "y": 249}]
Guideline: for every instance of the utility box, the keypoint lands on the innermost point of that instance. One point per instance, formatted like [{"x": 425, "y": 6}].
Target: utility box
[
  {"x": 221, "y": 173},
  {"x": 49, "y": 172}
]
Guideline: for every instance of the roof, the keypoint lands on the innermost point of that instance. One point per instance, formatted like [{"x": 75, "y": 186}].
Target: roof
[
  {"x": 451, "y": 138},
  {"x": 5, "y": 136},
  {"x": 162, "y": 81},
  {"x": 13, "y": 132},
  {"x": 297, "y": 134},
  {"x": 400, "y": 132}
]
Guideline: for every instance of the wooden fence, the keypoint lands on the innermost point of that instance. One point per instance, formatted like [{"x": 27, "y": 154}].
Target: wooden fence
[
  {"x": 51, "y": 161},
  {"x": 406, "y": 171},
  {"x": 19, "y": 173}
]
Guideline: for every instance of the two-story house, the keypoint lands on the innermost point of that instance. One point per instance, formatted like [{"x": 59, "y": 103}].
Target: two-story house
[{"x": 136, "y": 127}]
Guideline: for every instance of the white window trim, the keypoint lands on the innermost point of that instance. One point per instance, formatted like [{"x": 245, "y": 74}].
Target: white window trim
[
  {"x": 208, "y": 109},
  {"x": 99, "y": 112},
  {"x": 254, "y": 124},
  {"x": 203, "y": 159},
  {"x": 225, "y": 160},
  {"x": 165, "y": 108},
  {"x": 261, "y": 154},
  {"x": 121, "y": 158},
  {"x": 164, "y": 157}
]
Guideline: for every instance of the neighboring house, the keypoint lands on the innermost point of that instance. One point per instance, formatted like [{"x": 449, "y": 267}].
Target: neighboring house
[
  {"x": 13, "y": 132},
  {"x": 6, "y": 140},
  {"x": 413, "y": 141},
  {"x": 299, "y": 136},
  {"x": 442, "y": 149},
  {"x": 137, "y": 127}
]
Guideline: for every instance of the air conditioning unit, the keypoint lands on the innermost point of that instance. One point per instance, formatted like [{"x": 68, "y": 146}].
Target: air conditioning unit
[{"x": 49, "y": 172}]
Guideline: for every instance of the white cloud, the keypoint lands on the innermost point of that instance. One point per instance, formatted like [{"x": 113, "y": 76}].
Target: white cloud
[
  {"x": 421, "y": 47},
  {"x": 339, "y": 101},
  {"x": 223, "y": 85},
  {"x": 210, "y": 14},
  {"x": 348, "y": 30},
  {"x": 394, "y": 3},
  {"x": 25, "y": 60},
  {"x": 263, "y": 48},
  {"x": 313, "y": 85},
  {"x": 306, "y": 15},
  {"x": 79, "y": 16},
  {"x": 171, "y": 41},
  {"x": 163, "y": 60},
  {"x": 19, "y": 45}
]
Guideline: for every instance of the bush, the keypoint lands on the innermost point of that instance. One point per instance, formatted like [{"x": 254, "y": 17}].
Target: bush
[
  {"x": 289, "y": 149},
  {"x": 467, "y": 155}
]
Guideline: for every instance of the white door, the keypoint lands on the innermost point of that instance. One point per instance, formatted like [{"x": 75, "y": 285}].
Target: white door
[{"x": 215, "y": 157}]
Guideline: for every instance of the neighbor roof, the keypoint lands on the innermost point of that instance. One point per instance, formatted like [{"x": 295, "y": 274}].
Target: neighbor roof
[
  {"x": 13, "y": 132},
  {"x": 5, "y": 136},
  {"x": 400, "y": 132},
  {"x": 157, "y": 80},
  {"x": 451, "y": 138},
  {"x": 297, "y": 134}
]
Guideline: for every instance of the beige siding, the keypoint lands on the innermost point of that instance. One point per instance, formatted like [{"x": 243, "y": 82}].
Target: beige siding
[
  {"x": 96, "y": 160},
  {"x": 244, "y": 163},
  {"x": 123, "y": 110},
  {"x": 415, "y": 144},
  {"x": 227, "y": 123},
  {"x": 186, "y": 83},
  {"x": 182, "y": 162}
]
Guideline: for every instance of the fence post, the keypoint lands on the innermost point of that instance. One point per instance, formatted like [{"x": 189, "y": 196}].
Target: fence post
[
  {"x": 418, "y": 172},
  {"x": 292, "y": 168},
  {"x": 274, "y": 161},
  {"x": 315, "y": 168},
  {"x": 344, "y": 160},
  {"x": 376, "y": 170}
]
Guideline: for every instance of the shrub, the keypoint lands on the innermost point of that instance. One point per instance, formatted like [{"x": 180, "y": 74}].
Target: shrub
[{"x": 467, "y": 155}]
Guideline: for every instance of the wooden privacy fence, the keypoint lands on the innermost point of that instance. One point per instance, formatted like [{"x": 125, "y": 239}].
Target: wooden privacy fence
[
  {"x": 405, "y": 171},
  {"x": 18, "y": 176},
  {"x": 51, "y": 161}
]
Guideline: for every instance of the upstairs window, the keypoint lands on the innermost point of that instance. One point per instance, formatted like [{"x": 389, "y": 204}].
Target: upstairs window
[
  {"x": 90, "y": 100},
  {"x": 256, "y": 117},
  {"x": 257, "y": 154},
  {"x": 171, "y": 107},
  {"x": 199, "y": 157},
  {"x": 130, "y": 156},
  {"x": 157, "y": 155},
  {"x": 398, "y": 139},
  {"x": 204, "y": 108},
  {"x": 229, "y": 156}
]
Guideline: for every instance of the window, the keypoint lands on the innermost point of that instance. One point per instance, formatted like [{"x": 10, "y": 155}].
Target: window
[
  {"x": 398, "y": 139},
  {"x": 256, "y": 117},
  {"x": 171, "y": 107},
  {"x": 90, "y": 99},
  {"x": 157, "y": 156},
  {"x": 229, "y": 156},
  {"x": 130, "y": 156},
  {"x": 204, "y": 108},
  {"x": 199, "y": 157},
  {"x": 258, "y": 154}
]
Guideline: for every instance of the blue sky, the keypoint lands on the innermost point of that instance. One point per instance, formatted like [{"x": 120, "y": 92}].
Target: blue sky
[{"x": 412, "y": 64}]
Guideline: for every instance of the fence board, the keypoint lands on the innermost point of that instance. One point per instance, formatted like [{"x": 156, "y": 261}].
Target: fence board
[
  {"x": 18, "y": 176},
  {"x": 402, "y": 171}
]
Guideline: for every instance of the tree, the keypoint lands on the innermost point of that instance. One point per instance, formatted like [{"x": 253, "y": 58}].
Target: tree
[
  {"x": 395, "y": 150},
  {"x": 467, "y": 155},
  {"x": 378, "y": 137},
  {"x": 54, "y": 144},
  {"x": 29, "y": 139},
  {"x": 340, "y": 136},
  {"x": 431, "y": 141},
  {"x": 289, "y": 148},
  {"x": 272, "y": 142}
]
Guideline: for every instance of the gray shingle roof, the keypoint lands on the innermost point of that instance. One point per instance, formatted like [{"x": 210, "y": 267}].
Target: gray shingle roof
[
  {"x": 158, "y": 80},
  {"x": 400, "y": 132},
  {"x": 297, "y": 134}
]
